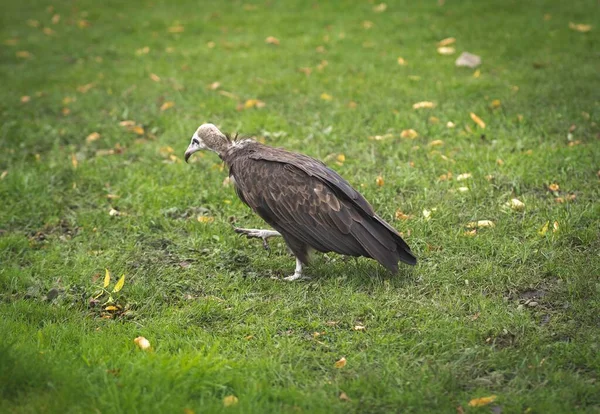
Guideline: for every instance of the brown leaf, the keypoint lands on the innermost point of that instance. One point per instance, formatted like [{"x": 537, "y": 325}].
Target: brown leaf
[
  {"x": 23, "y": 54},
  {"x": 479, "y": 402},
  {"x": 344, "y": 396},
  {"x": 380, "y": 8},
  {"x": 578, "y": 27},
  {"x": 48, "y": 31},
  {"x": 142, "y": 343},
  {"x": 553, "y": 187},
  {"x": 446, "y": 42},
  {"x": 85, "y": 88},
  {"x": 167, "y": 105},
  {"x": 74, "y": 160},
  {"x": 25, "y": 99},
  {"x": 409, "y": 134},
  {"x": 55, "y": 19},
  {"x": 272, "y": 41},
  {"x": 94, "y": 136},
  {"x": 82, "y": 24},
  {"x": 306, "y": 70},
  {"x": 214, "y": 86},
  {"x": 401, "y": 61},
  {"x": 176, "y": 29},
  {"x": 477, "y": 120},
  {"x": 340, "y": 363},
  {"x": 424, "y": 104},
  {"x": 401, "y": 216},
  {"x": 154, "y": 77},
  {"x": 230, "y": 400},
  {"x": 379, "y": 181},
  {"x": 65, "y": 111}
]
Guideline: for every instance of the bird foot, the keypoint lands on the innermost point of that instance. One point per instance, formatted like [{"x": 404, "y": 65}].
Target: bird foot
[
  {"x": 296, "y": 276},
  {"x": 258, "y": 234}
]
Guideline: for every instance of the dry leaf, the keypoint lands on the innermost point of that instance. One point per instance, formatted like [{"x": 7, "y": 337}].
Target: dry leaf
[
  {"x": 344, "y": 396},
  {"x": 555, "y": 227},
  {"x": 214, "y": 85},
  {"x": 3, "y": 175},
  {"x": 272, "y": 41},
  {"x": 82, "y": 24},
  {"x": 138, "y": 130},
  {"x": 470, "y": 233},
  {"x": 23, "y": 54},
  {"x": 154, "y": 77},
  {"x": 106, "y": 278},
  {"x": 468, "y": 60},
  {"x": 380, "y": 8},
  {"x": 306, "y": 70},
  {"x": 446, "y": 50},
  {"x": 142, "y": 343},
  {"x": 379, "y": 181},
  {"x": 230, "y": 400},
  {"x": 119, "y": 284},
  {"x": 33, "y": 23},
  {"x": 320, "y": 49},
  {"x": 544, "y": 229},
  {"x": 25, "y": 99},
  {"x": 176, "y": 29},
  {"x": 341, "y": 158},
  {"x": 112, "y": 212},
  {"x": 85, "y": 88},
  {"x": 55, "y": 19},
  {"x": 463, "y": 189},
  {"x": 206, "y": 219},
  {"x": 74, "y": 160},
  {"x": 478, "y": 120},
  {"x": 446, "y": 42},
  {"x": 401, "y": 61},
  {"x": 167, "y": 105},
  {"x": 367, "y": 24},
  {"x": 499, "y": 162},
  {"x": 496, "y": 104},
  {"x": 427, "y": 214},
  {"x": 480, "y": 224},
  {"x": 359, "y": 328},
  {"x": 583, "y": 28},
  {"x": 424, "y": 104},
  {"x": 464, "y": 176},
  {"x": 326, "y": 97},
  {"x": 94, "y": 136},
  {"x": 516, "y": 204},
  {"x": 436, "y": 143},
  {"x": 48, "y": 31},
  {"x": 401, "y": 216},
  {"x": 480, "y": 402},
  {"x": 143, "y": 51},
  {"x": 111, "y": 308},
  {"x": 409, "y": 133},
  {"x": 65, "y": 111},
  {"x": 340, "y": 363},
  {"x": 571, "y": 197},
  {"x": 553, "y": 187},
  {"x": 450, "y": 124}
]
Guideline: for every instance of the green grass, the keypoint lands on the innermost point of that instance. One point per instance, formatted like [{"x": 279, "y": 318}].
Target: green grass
[{"x": 454, "y": 328}]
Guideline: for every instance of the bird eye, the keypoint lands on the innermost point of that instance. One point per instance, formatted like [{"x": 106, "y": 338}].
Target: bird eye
[{"x": 195, "y": 141}]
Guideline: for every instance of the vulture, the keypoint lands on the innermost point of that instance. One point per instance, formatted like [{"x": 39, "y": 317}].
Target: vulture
[{"x": 308, "y": 204}]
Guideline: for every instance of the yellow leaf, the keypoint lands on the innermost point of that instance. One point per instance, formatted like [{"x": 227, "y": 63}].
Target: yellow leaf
[
  {"x": 477, "y": 73},
  {"x": 341, "y": 158},
  {"x": 33, "y": 23},
  {"x": 85, "y": 88},
  {"x": 155, "y": 77},
  {"x": 214, "y": 85},
  {"x": 555, "y": 227},
  {"x": 380, "y": 8},
  {"x": 25, "y": 99},
  {"x": 142, "y": 342},
  {"x": 230, "y": 400},
  {"x": 464, "y": 176},
  {"x": 359, "y": 328},
  {"x": 583, "y": 28},
  {"x": 272, "y": 41},
  {"x": 119, "y": 284},
  {"x": 167, "y": 105},
  {"x": 74, "y": 160},
  {"x": 367, "y": 24},
  {"x": 447, "y": 42},
  {"x": 409, "y": 133},
  {"x": 326, "y": 97},
  {"x": 481, "y": 224},
  {"x": 516, "y": 204},
  {"x": 83, "y": 24},
  {"x": 111, "y": 308},
  {"x": 176, "y": 29},
  {"x": 450, "y": 124},
  {"x": 65, "y": 111},
  {"x": 206, "y": 219},
  {"x": 23, "y": 54},
  {"x": 379, "y": 181},
  {"x": 4, "y": 174},
  {"x": 445, "y": 50},
  {"x": 427, "y": 214},
  {"x": 48, "y": 31},
  {"x": 496, "y": 103},
  {"x": 424, "y": 104},
  {"x": 106, "y": 279},
  {"x": 544, "y": 229},
  {"x": 340, "y": 363},
  {"x": 478, "y": 120},
  {"x": 436, "y": 143},
  {"x": 553, "y": 187},
  {"x": 138, "y": 130},
  {"x": 94, "y": 136},
  {"x": 401, "y": 61},
  {"x": 56, "y": 19},
  {"x": 479, "y": 402}
]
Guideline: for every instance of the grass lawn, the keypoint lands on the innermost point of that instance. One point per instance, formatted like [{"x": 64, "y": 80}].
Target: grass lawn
[{"x": 97, "y": 105}]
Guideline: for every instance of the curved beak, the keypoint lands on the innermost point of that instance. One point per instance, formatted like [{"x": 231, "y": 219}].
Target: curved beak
[{"x": 193, "y": 147}]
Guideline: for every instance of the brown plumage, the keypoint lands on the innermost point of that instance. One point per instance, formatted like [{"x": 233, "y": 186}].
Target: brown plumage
[{"x": 308, "y": 203}]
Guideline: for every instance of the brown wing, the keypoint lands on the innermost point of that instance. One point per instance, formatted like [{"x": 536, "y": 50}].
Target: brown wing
[{"x": 306, "y": 207}]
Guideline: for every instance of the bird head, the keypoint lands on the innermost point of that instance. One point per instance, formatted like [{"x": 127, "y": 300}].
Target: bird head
[{"x": 207, "y": 136}]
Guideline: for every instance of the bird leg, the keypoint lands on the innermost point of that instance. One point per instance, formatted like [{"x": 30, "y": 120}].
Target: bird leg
[
  {"x": 259, "y": 234},
  {"x": 297, "y": 273}
]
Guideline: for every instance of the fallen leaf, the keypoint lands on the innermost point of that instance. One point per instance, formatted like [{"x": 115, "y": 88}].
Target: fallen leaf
[
  {"x": 340, "y": 363},
  {"x": 33, "y": 23},
  {"x": 344, "y": 396},
  {"x": 555, "y": 227},
  {"x": 401, "y": 61},
  {"x": 111, "y": 308},
  {"x": 143, "y": 51},
  {"x": 379, "y": 181},
  {"x": 11, "y": 42},
  {"x": 322, "y": 65},
  {"x": 367, "y": 24},
  {"x": 230, "y": 400},
  {"x": 477, "y": 73},
  {"x": 446, "y": 42},
  {"x": 3, "y": 175},
  {"x": 138, "y": 130},
  {"x": 462, "y": 189},
  {"x": 106, "y": 278},
  {"x": 450, "y": 124},
  {"x": 409, "y": 133},
  {"x": 142, "y": 343},
  {"x": 23, "y": 54},
  {"x": 445, "y": 177},
  {"x": 85, "y": 88},
  {"x": 477, "y": 120},
  {"x": 352, "y": 104},
  {"x": 25, "y": 99},
  {"x": 499, "y": 162},
  {"x": 553, "y": 187},
  {"x": 436, "y": 143},
  {"x": 427, "y": 214},
  {"x": 480, "y": 224},
  {"x": 112, "y": 212},
  {"x": 94, "y": 136},
  {"x": 544, "y": 229},
  {"x": 211, "y": 45},
  {"x": 82, "y": 24},
  {"x": 401, "y": 216},
  {"x": 167, "y": 105},
  {"x": 326, "y": 97},
  {"x": 470, "y": 233},
  {"x": 468, "y": 60},
  {"x": 55, "y": 19},
  {"x": 434, "y": 119},
  {"x": 214, "y": 86},
  {"x": 65, "y": 111},
  {"x": 380, "y": 8},
  {"x": 547, "y": 16},
  {"x": 341, "y": 158},
  {"x": 272, "y": 41},
  {"x": 206, "y": 219},
  {"x": 571, "y": 197},
  {"x": 119, "y": 284},
  {"x": 154, "y": 77},
  {"x": 516, "y": 204},
  {"x": 48, "y": 31},
  {"x": 446, "y": 50},
  {"x": 424, "y": 104},
  {"x": 464, "y": 176},
  {"x": 74, "y": 160},
  {"x": 479, "y": 402},
  {"x": 559, "y": 200},
  {"x": 583, "y": 28},
  {"x": 359, "y": 328},
  {"x": 496, "y": 104},
  {"x": 306, "y": 70},
  {"x": 176, "y": 29}
]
